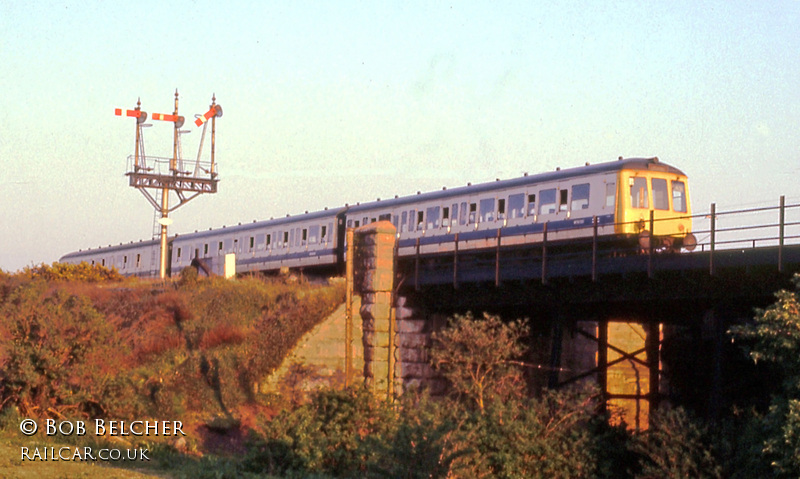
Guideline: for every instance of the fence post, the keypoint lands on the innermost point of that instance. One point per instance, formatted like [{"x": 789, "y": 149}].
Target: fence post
[
  {"x": 650, "y": 246},
  {"x": 594, "y": 249},
  {"x": 416, "y": 267},
  {"x": 713, "y": 238},
  {"x": 455, "y": 263},
  {"x": 544, "y": 255},
  {"x": 497, "y": 261},
  {"x": 781, "y": 233}
]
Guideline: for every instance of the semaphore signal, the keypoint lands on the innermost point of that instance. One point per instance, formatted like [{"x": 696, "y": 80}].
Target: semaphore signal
[
  {"x": 214, "y": 111},
  {"x": 167, "y": 175}
]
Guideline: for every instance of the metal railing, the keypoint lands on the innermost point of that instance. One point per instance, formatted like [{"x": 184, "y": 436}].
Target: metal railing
[{"x": 769, "y": 226}]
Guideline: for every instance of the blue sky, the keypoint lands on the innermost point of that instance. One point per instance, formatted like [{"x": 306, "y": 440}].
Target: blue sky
[{"x": 327, "y": 103}]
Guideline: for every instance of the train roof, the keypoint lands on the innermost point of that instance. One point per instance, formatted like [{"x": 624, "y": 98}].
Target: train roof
[
  {"x": 111, "y": 249},
  {"x": 559, "y": 174},
  {"x": 328, "y": 213}
]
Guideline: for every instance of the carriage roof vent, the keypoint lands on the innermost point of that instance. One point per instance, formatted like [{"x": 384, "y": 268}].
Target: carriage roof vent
[
  {"x": 306, "y": 211},
  {"x": 558, "y": 168},
  {"x": 525, "y": 174},
  {"x": 395, "y": 197},
  {"x": 586, "y": 164},
  {"x": 287, "y": 215},
  {"x": 418, "y": 192},
  {"x": 655, "y": 159},
  {"x": 326, "y": 208},
  {"x": 469, "y": 184},
  {"x": 444, "y": 188},
  {"x": 619, "y": 159},
  {"x": 497, "y": 179}
]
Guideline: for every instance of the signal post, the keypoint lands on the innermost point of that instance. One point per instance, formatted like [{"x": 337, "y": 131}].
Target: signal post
[{"x": 151, "y": 175}]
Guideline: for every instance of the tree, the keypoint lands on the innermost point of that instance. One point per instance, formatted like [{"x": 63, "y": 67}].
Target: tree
[
  {"x": 774, "y": 337},
  {"x": 479, "y": 357}
]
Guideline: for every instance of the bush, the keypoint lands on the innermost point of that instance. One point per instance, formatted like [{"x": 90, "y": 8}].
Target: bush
[{"x": 61, "y": 356}]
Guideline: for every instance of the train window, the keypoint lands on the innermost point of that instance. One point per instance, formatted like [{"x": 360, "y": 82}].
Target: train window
[
  {"x": 138, "y": 260},
  {"x": 562, "y": 200},
  {"x": 445, "y": 216},
  {"x": 433, "y": 217},
  {"x": 104, "y": 262},
  {"x": 403, "y": 221},
  {"x": 179, "y": 254},
  {"x": 501, "y": 209},
  {"x": 473, "y": 210},
  {"x": 313, "y": 234},
  {"x": 660, "y": 195},
  {"x": 420, "y": 220},
  {"x": 197, "y": 252},
  {"x": 679, "y": 196},
  {"x": 323, "y": 236},
  {"x": 547, "y": 201},
  {"x": 395, "y": 222},
  {"x": 580, "y": 197},
  {"x": 205, "y": 249},
  {"x": 236, "y": 245},
  {"x": 611, "y": 194},
  {"x": 305, "y": 237},
  {"x": 385, "y": 217},
  {"x": 252, "y": 243},
  {"x": 487, "y": 210},
  {"x": 455, "y": 214},
  {"x": 516, "y": 206},
  {"x": 285, "y": 238},
  {"x": 219, "y": 248},
  {"x": 532, "y": 205},
  {"x": 349, "y": 223},
  {"x": 639, "y": 194},
  {"x": 411, "y": 225},
  {"x": 462, "y": 220},
  {"x": 269, "y": 240}
]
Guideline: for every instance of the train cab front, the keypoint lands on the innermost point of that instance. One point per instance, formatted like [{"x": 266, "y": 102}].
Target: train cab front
[{"x": 654, "y": 207}]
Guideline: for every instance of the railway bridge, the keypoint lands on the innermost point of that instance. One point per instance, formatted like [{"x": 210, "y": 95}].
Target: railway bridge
[{"x": 648, "y": 327}]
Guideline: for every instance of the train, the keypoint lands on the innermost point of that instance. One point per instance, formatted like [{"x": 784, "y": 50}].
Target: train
[{"x": 628, "y": 203}]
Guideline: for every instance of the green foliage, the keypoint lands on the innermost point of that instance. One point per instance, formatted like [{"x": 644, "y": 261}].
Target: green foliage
[
  {"x": 327, "y": 436},
  {"x": 73, "y": 272},
  {"x": 675, "y": 445},
  {"x": 774, "y": 338},
  {"x": 60, "y": 356},
  {"x": 478, "y": 357}
]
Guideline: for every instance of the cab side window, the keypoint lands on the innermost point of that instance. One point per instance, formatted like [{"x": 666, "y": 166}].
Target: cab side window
[{"x": 679, "y": 196}]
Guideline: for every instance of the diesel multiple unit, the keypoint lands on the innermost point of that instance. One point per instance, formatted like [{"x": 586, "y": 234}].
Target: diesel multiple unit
[{"x": 630, "y": 200}]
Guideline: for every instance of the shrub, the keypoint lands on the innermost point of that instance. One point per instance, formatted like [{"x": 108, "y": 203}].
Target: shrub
[
  {"x": 478, "y": 357},
  {"x": 60, "y": 354}
]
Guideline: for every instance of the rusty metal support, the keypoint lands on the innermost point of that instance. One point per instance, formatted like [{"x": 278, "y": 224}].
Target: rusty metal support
[{"x": 348, "y": 311}]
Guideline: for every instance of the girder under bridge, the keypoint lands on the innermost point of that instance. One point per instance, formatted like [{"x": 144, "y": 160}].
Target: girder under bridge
[{"x": 647, "y": 327}]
